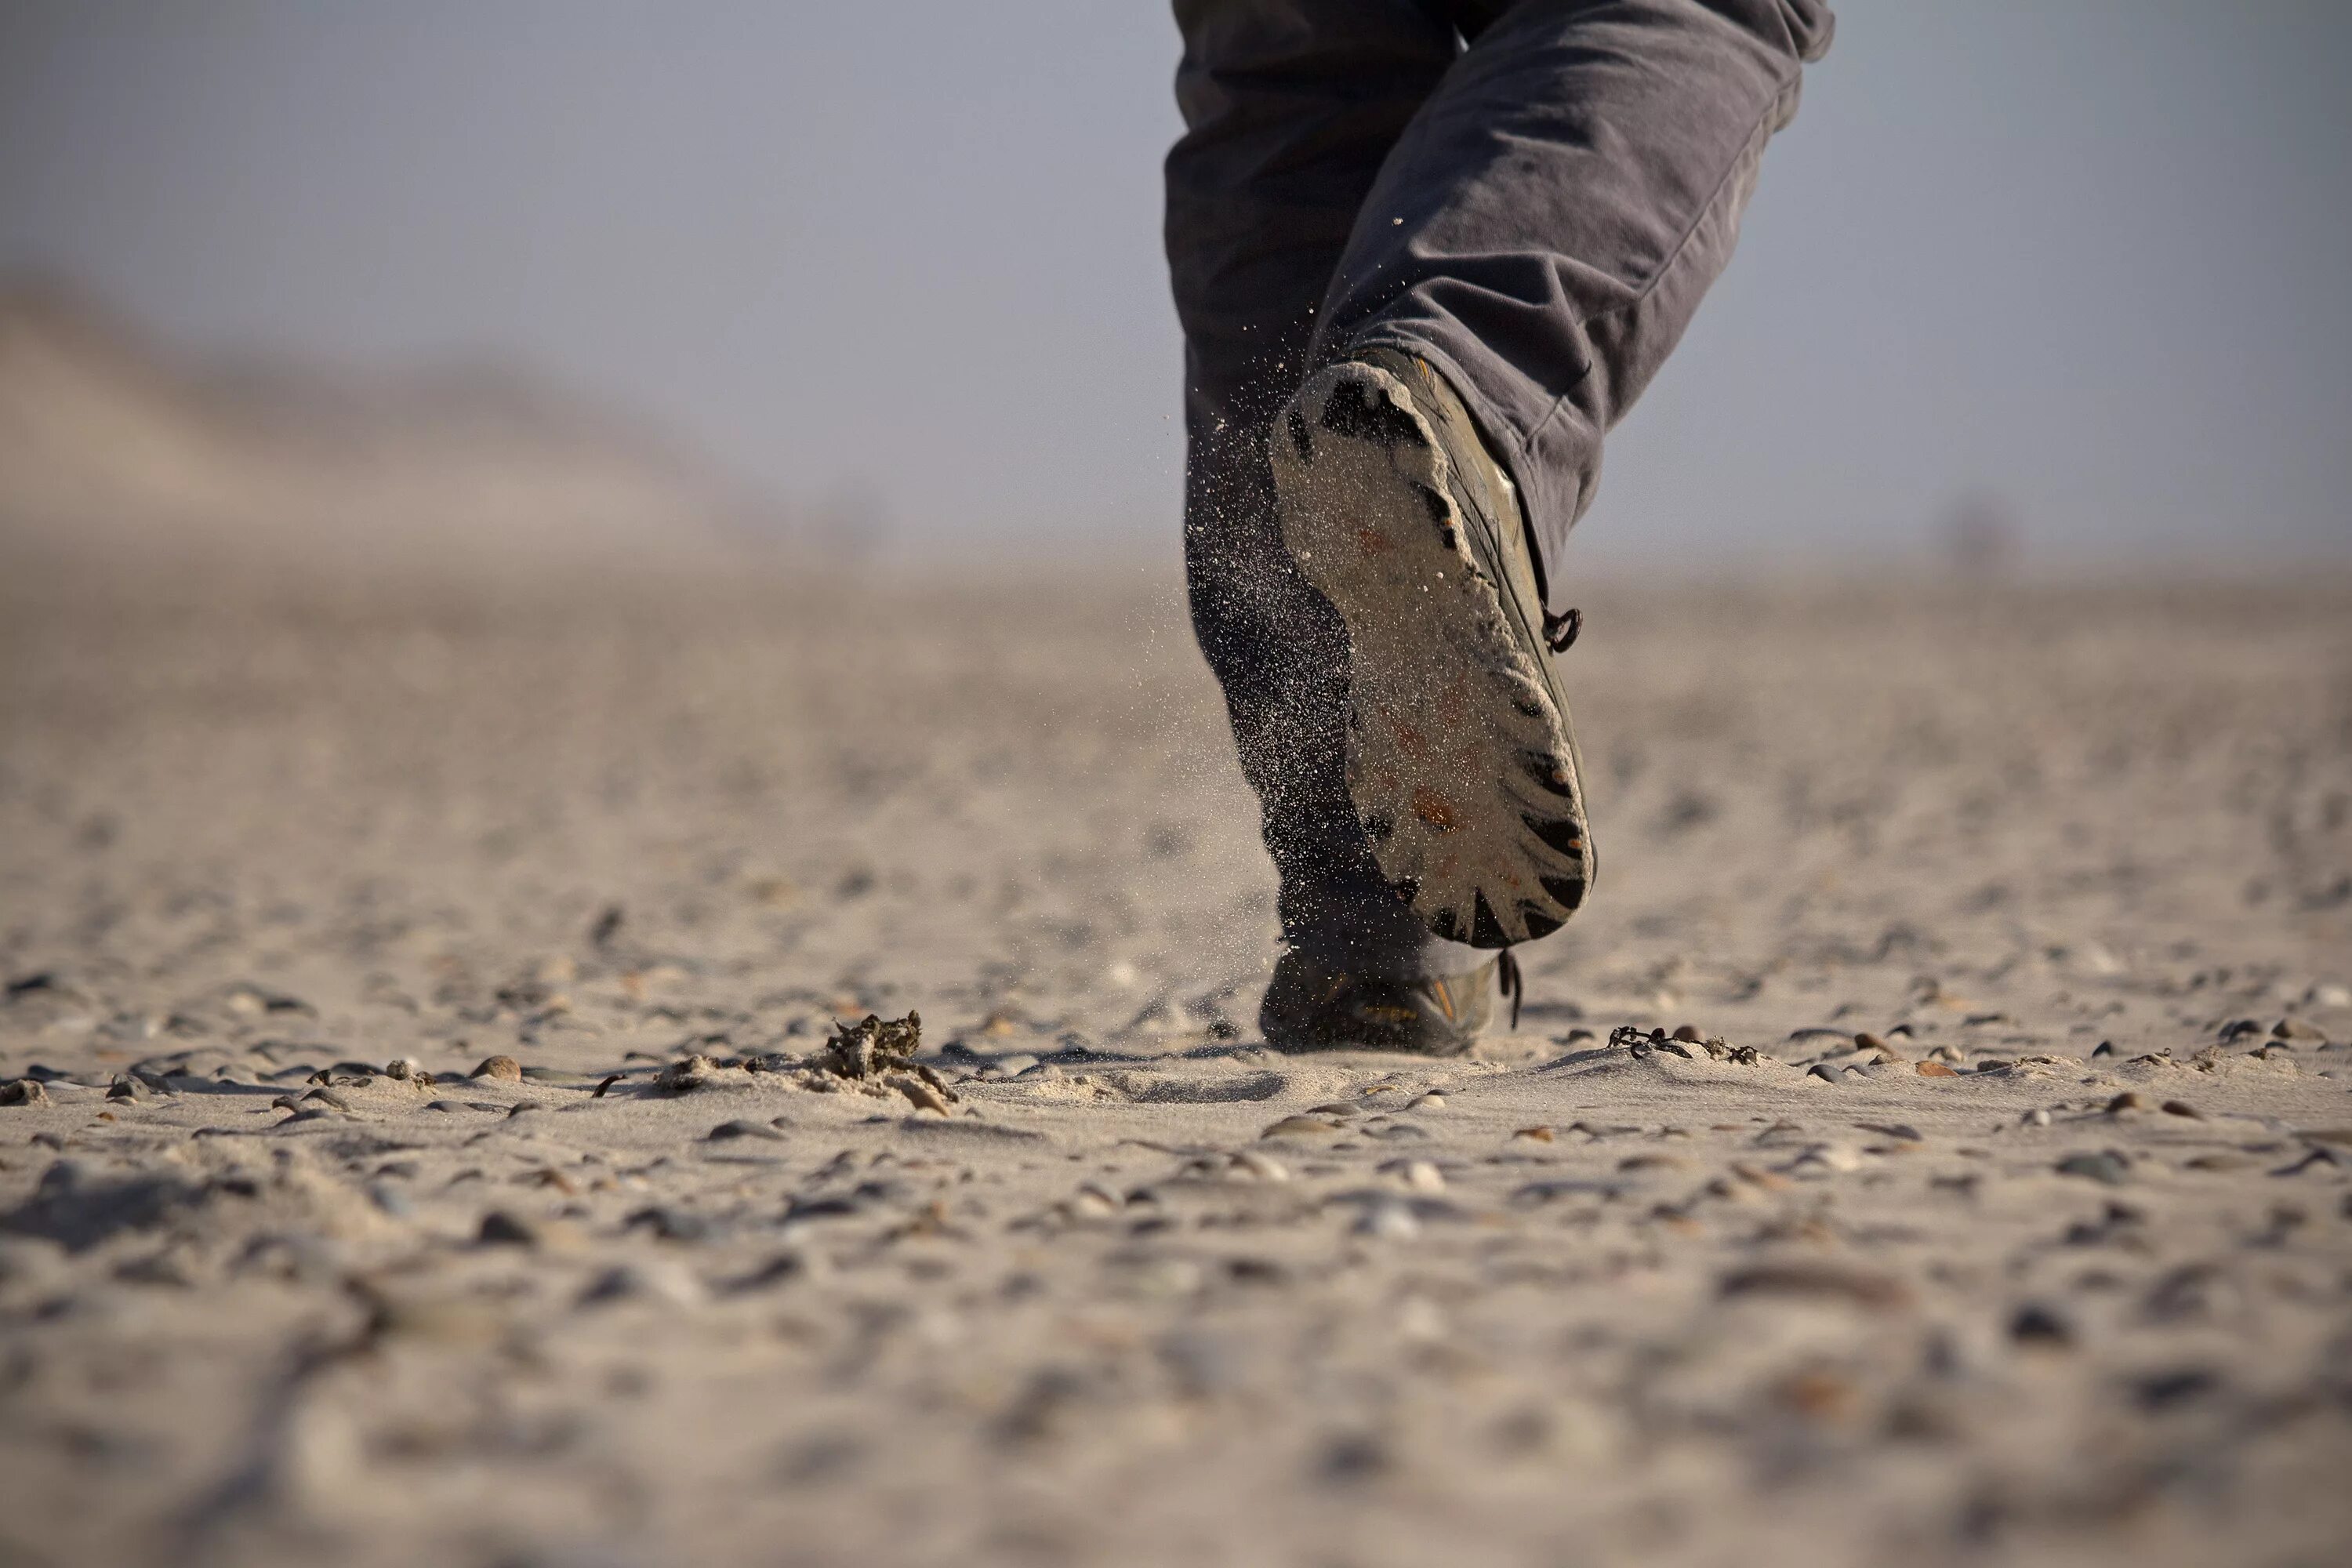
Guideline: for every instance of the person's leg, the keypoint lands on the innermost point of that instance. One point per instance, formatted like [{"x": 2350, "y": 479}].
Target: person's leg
[
  {"x": 1533, "y": 248},
  {"x": 1291, "y": 109},
  {"x": 1543, "y": 229}
]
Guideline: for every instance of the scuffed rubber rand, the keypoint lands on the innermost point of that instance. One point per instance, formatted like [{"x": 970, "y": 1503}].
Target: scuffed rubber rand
[{"x": 1313, "y": 1005}]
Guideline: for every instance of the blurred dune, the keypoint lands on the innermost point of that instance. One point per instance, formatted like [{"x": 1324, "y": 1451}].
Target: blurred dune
[{"x": 116, "y": 451}]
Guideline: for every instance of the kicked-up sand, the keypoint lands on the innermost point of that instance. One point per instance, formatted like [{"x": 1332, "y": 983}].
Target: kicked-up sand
[{"x": 425, "y": 1140}]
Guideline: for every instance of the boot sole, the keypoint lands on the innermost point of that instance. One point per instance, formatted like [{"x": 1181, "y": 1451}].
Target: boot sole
[{"x": 1461, "y": 766}]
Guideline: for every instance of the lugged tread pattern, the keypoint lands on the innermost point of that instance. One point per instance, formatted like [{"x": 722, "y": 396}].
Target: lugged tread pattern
[{"x": 1460, "y": 764}]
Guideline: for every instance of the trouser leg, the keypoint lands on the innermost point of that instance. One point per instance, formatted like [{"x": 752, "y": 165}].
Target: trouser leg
[
  {"x": 1291, "y": 106},
  {"x": 1539, "y": 217},
  {"x": 1545, "y": 227}
]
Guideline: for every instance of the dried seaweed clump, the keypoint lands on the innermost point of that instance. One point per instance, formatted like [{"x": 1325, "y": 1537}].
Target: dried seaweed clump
[
  {"x": 873, "y": 1047},
  {"x": 878, "y": 1054},
  {"x": 681, "y": 1077}
]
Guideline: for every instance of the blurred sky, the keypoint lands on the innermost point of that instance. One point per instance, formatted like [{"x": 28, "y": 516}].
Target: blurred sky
[{"x": 2091, "y": 257}]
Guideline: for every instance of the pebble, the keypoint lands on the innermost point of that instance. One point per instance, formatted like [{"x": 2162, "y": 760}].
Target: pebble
[
  {"x": 1388, "y": 1220},
  {"x": 500, "y": 1229},
  {"x": 2182, "y": 1107},
  {"x": 445, "y": 1320},
  {"x": 2192, "y": 1292},
  {"x": 1534, "y": 1134},
  {"x": 2109, "y": 1167},
  {"x": 1934, "y": 1069},
  {"x": 654, "y": 1279},
  {"x": 780, "y": 1269},
  {"x": 1534, "y": 1193},
  {"x": 1828, "y": 1281},
  {"x": 2034, "y": 1324},
  {"x": 1354, "y": 1458},
  {"x": 920, "y": 1095},
  {"x": 727, "y": 1131},
  {"x": 1689, "y": 1034},
  {"x": 2037, "y": 1117},
  {"x": 2164, "y": 1390},
  {"x": 1203, "y": 1364},
  {"x": 2127, "y": 1100},
  {"x": 1421, "y": 1175},
  {"x": 1728, "y": 1191},
  {"x": 1816, "y": 1393},
  {"x": 501, "y": 1069},
  {"x": 2317, "y": 1156},
  {"x": 1254, "y": 1166},
  {"x": 24, "y": 1091},
  {"x": 684, "y": 1225},
  {"x": 1299, "y": 1127}
]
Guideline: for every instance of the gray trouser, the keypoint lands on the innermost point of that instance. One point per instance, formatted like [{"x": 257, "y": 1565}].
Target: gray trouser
[{"x": 1536, "y": 212}]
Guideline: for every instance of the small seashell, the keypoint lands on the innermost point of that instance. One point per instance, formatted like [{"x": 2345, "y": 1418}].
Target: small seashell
[
  {"x": 1253, "y": 1166},
  {"x": 1094, "y": 1201},
  {"x": 1299, "y": 1127},
  {"x": 1421, "y": 1175}
]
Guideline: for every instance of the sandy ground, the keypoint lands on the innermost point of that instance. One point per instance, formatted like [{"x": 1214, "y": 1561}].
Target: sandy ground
[{"x": 1997, "y": 1211}]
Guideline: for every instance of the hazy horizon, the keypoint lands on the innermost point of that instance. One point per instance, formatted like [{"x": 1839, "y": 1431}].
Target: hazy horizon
[{"x": 2084, "y": 261}]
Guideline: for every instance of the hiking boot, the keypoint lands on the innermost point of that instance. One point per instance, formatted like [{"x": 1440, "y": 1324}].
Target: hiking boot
[
  {"x": 1461, "y": 764},
  {"x": 1312, "y": 1006}
]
